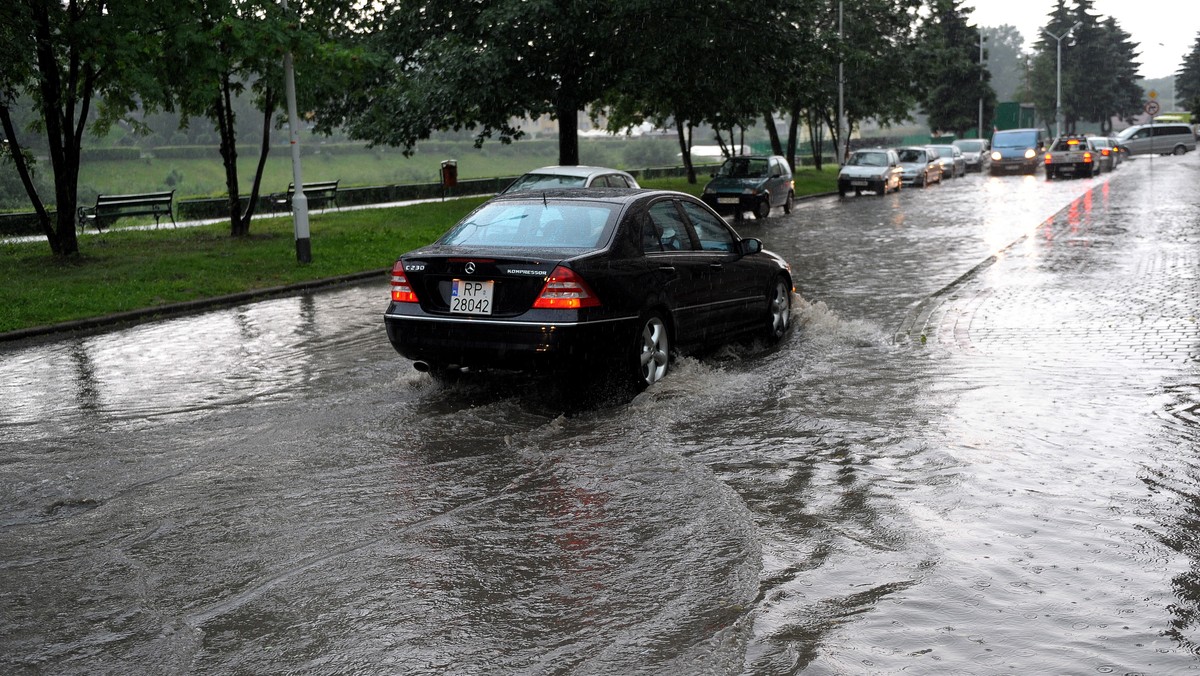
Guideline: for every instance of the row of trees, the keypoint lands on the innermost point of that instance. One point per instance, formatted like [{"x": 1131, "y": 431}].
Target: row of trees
[
  {"x": 1099, "y": 68},
  {"x": 393, "y": 73}
]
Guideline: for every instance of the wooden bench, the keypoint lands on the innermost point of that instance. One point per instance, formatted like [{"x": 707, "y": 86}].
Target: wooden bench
[
  {"x": 317, "y": 193},
  {"x": 109, "y": 208}
]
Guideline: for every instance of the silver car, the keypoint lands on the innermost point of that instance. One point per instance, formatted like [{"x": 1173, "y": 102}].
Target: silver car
[
  {"x": 953, "y": 162},
  {"x": 919, "y": 165},
  {"x": 546, "y": 178},
  {"x": 976, "y": 152}
]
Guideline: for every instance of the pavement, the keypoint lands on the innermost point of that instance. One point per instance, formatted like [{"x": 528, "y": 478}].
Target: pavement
[{"x": 1114, "y": 276}]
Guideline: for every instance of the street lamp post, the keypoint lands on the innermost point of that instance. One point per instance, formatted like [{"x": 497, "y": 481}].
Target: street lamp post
[
  {"x": 1058, "y": 85},
  {"x": 982, "y": 41}
]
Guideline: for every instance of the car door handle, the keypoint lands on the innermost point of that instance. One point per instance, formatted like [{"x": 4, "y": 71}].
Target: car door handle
[
  {"x": 717, "y": 267},
  {"x": 667, "y": 268}
]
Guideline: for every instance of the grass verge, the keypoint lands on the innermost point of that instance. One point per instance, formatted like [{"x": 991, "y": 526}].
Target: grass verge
[{"x": 124, "y": 270}]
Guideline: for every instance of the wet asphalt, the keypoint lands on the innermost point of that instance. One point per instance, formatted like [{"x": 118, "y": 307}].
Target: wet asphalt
[{"x": 977, "y": 453}]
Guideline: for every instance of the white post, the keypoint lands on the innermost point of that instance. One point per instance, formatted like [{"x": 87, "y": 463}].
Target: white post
[{"x": 299, "y": 201}]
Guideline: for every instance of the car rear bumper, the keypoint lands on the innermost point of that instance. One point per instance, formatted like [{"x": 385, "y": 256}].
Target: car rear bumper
[{"x": 508, "y": 345}]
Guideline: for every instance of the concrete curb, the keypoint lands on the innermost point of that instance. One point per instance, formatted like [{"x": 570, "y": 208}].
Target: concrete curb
[{"x": 188, "y": 307}]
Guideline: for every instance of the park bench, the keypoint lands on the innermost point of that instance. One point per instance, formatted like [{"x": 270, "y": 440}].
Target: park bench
[
  {"x": 109, "y": 208},
  {"x": 317, "y": 193}
]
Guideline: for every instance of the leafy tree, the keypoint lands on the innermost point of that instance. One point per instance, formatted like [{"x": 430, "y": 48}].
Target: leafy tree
[
  {"x": 1005, "y": 61},
  {"x": 675, "y": 77},
  {"x": 1099, "y": 68},
  {"x": 877, "y": 51},
  {"x": 1187, "y": 80},
  {"x": 459, "y": 64},
  {"x": 955, "y": 79},
  {"x": 224, "y": 50},
  {"x": 62, "y": 54}
]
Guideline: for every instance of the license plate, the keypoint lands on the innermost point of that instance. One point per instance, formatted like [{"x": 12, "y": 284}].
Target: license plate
[
  {"x": 728, "y": 200},
  {"x": 471, "y": 297},
  {"x": 858, "y": 182}
]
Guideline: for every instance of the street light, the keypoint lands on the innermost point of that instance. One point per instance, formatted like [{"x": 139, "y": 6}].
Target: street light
[
  {"x": 982, "y": 42},
  {"x": 1058, "y": 97}
]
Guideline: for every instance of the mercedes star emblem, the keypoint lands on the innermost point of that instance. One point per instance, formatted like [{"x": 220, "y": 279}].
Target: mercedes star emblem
[{"x": 470, "y": 268}]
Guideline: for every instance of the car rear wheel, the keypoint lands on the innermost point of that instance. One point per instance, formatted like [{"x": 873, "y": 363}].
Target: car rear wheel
[
  {"x": 787, "y": 205},
  {"x": 651, "y": 351},
  {"x": 1179, "y": 150},
  {"x": 779, "y": 310},
  {"x": 763, "y": 208}
]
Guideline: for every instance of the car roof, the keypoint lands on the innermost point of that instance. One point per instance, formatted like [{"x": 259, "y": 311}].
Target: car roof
[
  {"x": 574, "y": 170},
  {"x": 610, "y": 195}
]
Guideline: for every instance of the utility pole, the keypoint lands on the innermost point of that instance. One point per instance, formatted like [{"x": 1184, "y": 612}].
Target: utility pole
[
  {"x": 982, "y": 41},
  {"x": 838, "y": 142},
  {"x": 299, "y": 201},
  {"x": 1058, "y": 97}
]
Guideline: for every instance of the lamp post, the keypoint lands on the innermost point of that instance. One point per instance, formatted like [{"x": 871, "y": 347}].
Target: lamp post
[
  {"x": 1058, "y": 86},
  {"x": 299, "y": 201},
  {"x": 838, "y": 142},
  {"x": 982, "y": 41}
]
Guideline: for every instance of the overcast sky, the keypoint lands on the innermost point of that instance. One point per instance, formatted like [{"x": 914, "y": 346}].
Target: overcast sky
[{"x": 1166, "y": 30}]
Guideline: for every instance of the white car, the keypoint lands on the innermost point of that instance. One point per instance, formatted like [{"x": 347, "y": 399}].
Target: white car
[
  {"x": 546, "y": 178},
  {"x": 875, "y": 169}
]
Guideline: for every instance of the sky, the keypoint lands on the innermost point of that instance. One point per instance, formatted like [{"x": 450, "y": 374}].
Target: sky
[{"x": 1166, "y": 30}]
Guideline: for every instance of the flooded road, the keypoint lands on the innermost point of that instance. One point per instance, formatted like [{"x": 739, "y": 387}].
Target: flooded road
[{"x": 978, "y": 453}]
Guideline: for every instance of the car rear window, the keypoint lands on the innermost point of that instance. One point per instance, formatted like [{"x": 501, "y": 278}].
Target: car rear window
[
  {"x": 546, "y": 182},
  {"x": 744, "y": 167},
  {"x": 539, "y": 224}
]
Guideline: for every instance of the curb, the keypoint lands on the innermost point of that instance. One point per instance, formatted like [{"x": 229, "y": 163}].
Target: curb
[{"x": 187, "y": 307}]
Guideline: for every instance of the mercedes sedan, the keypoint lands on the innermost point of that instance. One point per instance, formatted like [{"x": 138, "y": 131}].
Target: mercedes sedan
[{"x": 600, "y": 280}]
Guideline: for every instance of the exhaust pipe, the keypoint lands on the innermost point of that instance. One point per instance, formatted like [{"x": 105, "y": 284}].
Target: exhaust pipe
[{"x": 421, "y": 366}]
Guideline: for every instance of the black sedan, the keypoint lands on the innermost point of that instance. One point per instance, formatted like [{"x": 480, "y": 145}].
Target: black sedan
[{"x": 608, "y": 280}]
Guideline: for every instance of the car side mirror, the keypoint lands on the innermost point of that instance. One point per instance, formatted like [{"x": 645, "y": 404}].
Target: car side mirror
[{"x": 750, "y": 245}]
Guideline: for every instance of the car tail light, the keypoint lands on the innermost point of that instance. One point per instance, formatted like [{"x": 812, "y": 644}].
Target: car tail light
[
  {"x": 1087, "y": 157},
  {"x": 402, "y": 291},
  {"x": 1047, "y": 158},
  {"x": 565, "y": 290},
  {"x": 1104, "y": 152}
]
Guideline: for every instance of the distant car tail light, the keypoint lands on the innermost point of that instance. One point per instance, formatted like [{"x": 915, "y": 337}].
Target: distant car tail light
[
  {"x": 565, "y": 290},
  {"x": 1087, "y": 157},
  {"x": 1047, "y": 158},
  {"x": 402, "y": 291},
  {"x": 1104, "y": 152}
]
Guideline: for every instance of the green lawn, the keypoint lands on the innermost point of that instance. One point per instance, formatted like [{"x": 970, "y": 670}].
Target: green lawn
[{"x": 123, "y": 269}]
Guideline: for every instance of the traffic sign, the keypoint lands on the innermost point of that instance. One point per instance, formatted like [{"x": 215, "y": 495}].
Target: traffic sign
[{"x": 1152, "y": 108}]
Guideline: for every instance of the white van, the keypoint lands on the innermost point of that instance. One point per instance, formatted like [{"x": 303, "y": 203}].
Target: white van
[{"x": 1168, "y": 137}]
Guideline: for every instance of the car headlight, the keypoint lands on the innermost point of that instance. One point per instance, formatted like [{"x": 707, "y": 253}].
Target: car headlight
[
  {"x": 708, "y": 190},
  {"x": 1030, "y": 154},
  {"x": 996, "y": 155},
  {"x": 750, "y": 191}
]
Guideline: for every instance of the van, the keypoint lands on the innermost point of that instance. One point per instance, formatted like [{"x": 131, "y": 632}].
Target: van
[
  {"x": 1144, "y": 139},
  {"x": 1017, "y": 150}
]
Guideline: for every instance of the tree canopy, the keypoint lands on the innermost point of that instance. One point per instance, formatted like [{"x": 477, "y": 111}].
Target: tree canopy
[{"x": 1187, "y": 81}]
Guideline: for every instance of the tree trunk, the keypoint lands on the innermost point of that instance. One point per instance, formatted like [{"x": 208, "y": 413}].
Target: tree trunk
[
  {"x": 792, "y": 140},
  {"x": 264, "y": 151},
  {"x": 815, "y": 139},
  {"x": 773, "y": 133},
  {"x": 18, "y": 156},
  {"x": 685, "y": 150},
  {"x": 567, "y": 112},
  {"x": 223, "y": 109}
]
